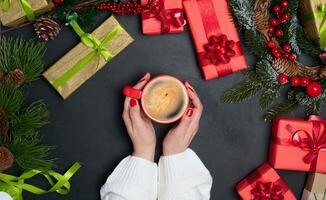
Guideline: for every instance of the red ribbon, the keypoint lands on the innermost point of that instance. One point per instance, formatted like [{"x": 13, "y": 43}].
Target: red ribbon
[
  {"x": 168, "y": 17},
  {"x": 313, "y": 143},
  {"x": 219, "y": 50},
  {"x": 213, "y": 29},
  {"x": 267, "y": 191}
]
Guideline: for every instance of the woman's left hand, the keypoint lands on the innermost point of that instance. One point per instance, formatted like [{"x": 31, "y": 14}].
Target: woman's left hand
[{"x": 139, "y": 126}]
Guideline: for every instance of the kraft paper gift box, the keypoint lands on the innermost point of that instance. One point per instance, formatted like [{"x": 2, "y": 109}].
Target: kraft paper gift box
[
  {"x": 15, "y": 15},
  {"x": 71, "y": 71},
  {"x": 315, "y": 188},
  {"x": 312, "y": 16}
]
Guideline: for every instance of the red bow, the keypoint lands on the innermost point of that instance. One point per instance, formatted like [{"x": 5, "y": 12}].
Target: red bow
[
  {"x": 219, "y": 50},
  {"x": 168, "y": 17},
  {"x": 267, "y": 191},
  {"x": 312, "y": 143}
]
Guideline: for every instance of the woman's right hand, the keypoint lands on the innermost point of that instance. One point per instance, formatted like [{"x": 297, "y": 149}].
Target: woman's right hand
[
  {"x": 139, "y": 126},
  {"x": 179, "y": 138}
]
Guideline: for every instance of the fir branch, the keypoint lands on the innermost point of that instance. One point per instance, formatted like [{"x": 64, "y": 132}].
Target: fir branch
[
  {"x": 306, "y": 45},
  {"x": 30, "y": 154},
  {"x": 22, "y": 54},
  {"x": 243, "y": 90},
  {"x": 256, "y": 42},
  {"x": 266, "y": 73},
  {"x": 269, "y": 95},
  {"x": 32, "y": 118},
  {"x": 282, "y": 108},
  {"x": 11, "y": 99},
  {"x": 244, "y": 13}
]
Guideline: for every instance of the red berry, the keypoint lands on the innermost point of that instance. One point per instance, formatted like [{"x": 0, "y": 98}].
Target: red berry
[
  {"x": 274, "y": 22},
  {"x": 295, "y": 81},
  {"x": 282, "y": 78},
  {"x": 292, "y": 57},
  {"x": 275, "y": 51},
  {"x": 314, "y": 89},
  {"x": 285, "y": 4},
  {"x": 286, "y": 47},
  {"x": 277, "y": 8},
  {"x": 279, "y": 33},
  {"x": 271, "y": 44},
  {"x": 271, "y": 29},
  {"x": 278, "y": 55},
  {"x": 304, "y": 81},
  {"x": 58, "y": 2},
  {"x": 285, "y": 17},
  {"x": 286, "y": 55}
]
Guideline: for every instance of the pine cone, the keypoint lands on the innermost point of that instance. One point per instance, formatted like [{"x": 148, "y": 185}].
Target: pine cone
[
  {"x": 15, "y": 78},
  {"x": 46, "y": 28},
  {"x": 4, "y": 123},
  {"x": 6, "y": 158}
]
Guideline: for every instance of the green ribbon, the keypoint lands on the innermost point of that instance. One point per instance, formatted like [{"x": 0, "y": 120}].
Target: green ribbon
[
  {"x": 319, "y": 14},
  {"x": 26, "y": 7},
  {"x": 90, "y": 41},
  {"x": 14, "y": 185}
]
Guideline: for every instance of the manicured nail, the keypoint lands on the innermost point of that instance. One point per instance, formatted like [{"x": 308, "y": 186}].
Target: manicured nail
[
  {"x": 189, "y": 86},
  {"x": 133, "y": 102},
  {"x": 189, "y": 112},
  {"x": 143, "y": 78}
]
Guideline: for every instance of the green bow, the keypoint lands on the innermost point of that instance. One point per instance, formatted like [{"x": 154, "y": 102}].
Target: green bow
[
  {"x": 90, "y": 41},
  {"x": 14, "y": 186},
  {"x": 26, "y": 7}
]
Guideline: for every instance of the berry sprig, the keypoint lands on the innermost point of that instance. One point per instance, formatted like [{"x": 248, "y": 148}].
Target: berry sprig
[
  {"x": 275, "y": 32},
  {"x": 313, "y": 89},
  {"x": 121, "y": 8}
]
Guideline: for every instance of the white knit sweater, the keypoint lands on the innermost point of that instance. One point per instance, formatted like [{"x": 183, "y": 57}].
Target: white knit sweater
[{"x": 177, "y": 177}]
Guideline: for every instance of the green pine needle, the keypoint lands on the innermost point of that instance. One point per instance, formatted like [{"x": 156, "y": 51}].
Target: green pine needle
[
  {"x": 22, "y": 54},
  {"x": 256, "y": 42},
  {"x": 32, "y": 118},
  {"x": 30, "y": 154},
  {"x": 11, "y": 100},
  {"x": 269, "y": 95},
  {"x": 282, "y": 108},
  {"x": 243, "y": 90},
  {"x": 244, "y": 13},
  {"x": 306, "y": 45}
]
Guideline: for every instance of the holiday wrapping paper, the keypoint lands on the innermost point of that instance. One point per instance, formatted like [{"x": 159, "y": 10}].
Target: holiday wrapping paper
[
  {"x": 298, "y": 144},
  {"x": 315, "y": 188},
  {"x": 15, "y": 12},
  {"x": 313, "y": 13},
  {"x": 82, "y": 62},
  {"x": 164, "y": 16},
  {"x": 264, "y": 183},
  {"x": 215, "y": 37}
]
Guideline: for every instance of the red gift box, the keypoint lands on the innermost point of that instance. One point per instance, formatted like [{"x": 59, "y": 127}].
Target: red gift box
[
  {"x": 215, "y": 36},
  {"x": 299, "y": 144},
  {"x": 164, "y": 16},
  {"x": 264, "y": 183}
]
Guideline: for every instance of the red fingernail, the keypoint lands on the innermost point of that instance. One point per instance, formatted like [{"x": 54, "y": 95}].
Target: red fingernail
[
  {"x": 189, "y": 112},
  {"x": 133, "y": 102}
]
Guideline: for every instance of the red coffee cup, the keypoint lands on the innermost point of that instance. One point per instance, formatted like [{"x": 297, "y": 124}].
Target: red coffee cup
[{"x": 164, "y": 98}]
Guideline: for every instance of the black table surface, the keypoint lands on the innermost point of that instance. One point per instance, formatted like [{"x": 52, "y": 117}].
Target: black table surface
[{"x": 232, "y": 141}]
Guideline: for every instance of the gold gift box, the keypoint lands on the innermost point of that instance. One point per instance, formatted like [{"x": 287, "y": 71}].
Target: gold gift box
[
  {"x": 62, "y": 66},
  {"x": 16, "y": 16},
  {"x": 315, "y": 188},
  {"x": 307, "y": 8}
]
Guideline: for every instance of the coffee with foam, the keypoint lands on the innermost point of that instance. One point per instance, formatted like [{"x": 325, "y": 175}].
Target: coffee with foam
[{"x": 165, "y": 99}]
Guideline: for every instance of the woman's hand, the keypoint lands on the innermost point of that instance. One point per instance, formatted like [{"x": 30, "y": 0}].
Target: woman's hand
[
  {"x": 179, "y": 138},
  {"x": 139, "y": 126}
]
